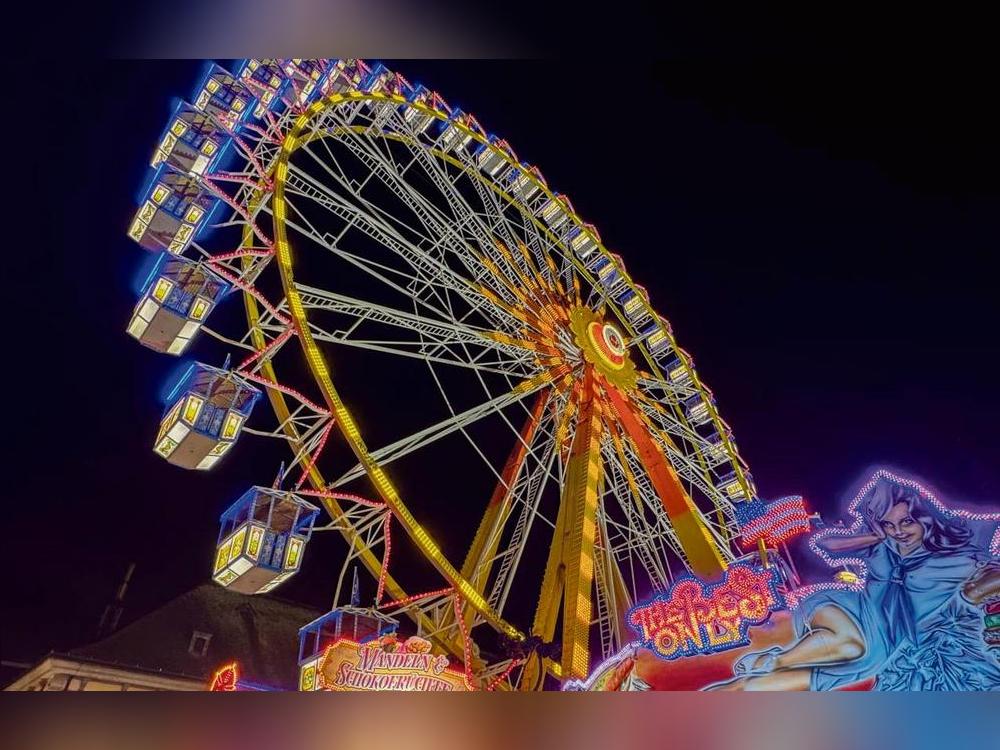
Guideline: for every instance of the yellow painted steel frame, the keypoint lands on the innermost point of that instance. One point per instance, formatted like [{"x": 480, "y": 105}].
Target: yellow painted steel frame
[
  {"x": 575, "y": 646},
  {"x": 583, "y": 479},
  {"x": 282, "y": 412},
  {"x": 569, "y": 570}
]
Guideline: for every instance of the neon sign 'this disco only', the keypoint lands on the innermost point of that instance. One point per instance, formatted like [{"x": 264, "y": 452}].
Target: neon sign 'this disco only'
[{"x": 692, "y": 618}]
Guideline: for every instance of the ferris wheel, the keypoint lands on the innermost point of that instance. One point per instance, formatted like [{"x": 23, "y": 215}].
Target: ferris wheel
[{"x": 371, "y": 228}]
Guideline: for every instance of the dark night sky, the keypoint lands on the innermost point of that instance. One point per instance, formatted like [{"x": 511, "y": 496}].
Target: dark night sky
[{"x": 822, "y": 239}]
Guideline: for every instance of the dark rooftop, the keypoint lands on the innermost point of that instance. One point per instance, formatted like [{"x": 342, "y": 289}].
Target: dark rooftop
[{"x": 260, "y": 632}]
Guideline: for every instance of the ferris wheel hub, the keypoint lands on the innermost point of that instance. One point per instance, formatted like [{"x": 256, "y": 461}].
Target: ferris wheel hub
[{"x": 603, "y": 345}]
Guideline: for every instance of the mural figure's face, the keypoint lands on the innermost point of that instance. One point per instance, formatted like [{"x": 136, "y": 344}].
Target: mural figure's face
[{"x": 900, "y": 526}]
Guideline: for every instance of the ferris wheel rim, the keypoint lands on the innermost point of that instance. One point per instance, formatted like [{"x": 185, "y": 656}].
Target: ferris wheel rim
[
  {"x": 278, "y": 402},
  {"x": 342, "y": 416}
]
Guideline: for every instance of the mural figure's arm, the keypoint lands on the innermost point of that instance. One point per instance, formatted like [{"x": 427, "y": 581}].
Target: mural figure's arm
[{"x": 849, "y": 543}]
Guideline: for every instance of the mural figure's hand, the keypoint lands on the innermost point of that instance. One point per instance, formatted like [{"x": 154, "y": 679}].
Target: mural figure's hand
[{"x": 983, "y": 585}]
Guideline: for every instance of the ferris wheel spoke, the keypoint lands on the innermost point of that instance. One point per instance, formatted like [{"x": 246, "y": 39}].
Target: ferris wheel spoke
[
  {"x": 536, "y": 435},
  {"x": 392, "y": 278},
  {"x": 549, "y": 377},
  {"x": 612, "y": 596},
  {"x": 373, "y": 225},
  {"x": 401, "y": 282},
  {"x": 434, "y": 170},
  {"x": 394, "y": 348},
  {"x": 434, "y": 336},
  {"x": 498, "y": 223},
  {"x": 643, "y": 531},
  {"x": 670, "y": 428},
  {"x": 486, "y": 225},
  {"x": 490, "y": 224},
  {"x": 431, "y": 272},
  {"x": 444, "y": 231},
  {"x": 679, "y": 438},
  {"x": 669, "y": 394},
  {"x": 389, "y": 453},
  {"x": 509, "y": 360},
  {"x": 641, "y": 480},
  {"x": 528, "y": 494},
  {"x": 693, "y": 464},
  {"x": 391, "y": 175},
  {"x": 521, "y": 482}
]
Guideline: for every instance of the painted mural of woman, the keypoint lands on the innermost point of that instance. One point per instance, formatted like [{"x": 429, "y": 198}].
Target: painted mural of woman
[{"x": 916, "y": 625}]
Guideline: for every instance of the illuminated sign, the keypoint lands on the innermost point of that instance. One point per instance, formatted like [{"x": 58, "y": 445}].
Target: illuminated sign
[
  {"x": 225, "y": 679},
  {"x": 772, "y": 522},
  {"x": 696, "y": 619},
  {"x": 387, "y": 665}
]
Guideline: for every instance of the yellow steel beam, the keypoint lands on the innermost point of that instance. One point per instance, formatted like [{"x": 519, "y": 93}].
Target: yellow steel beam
[
  {"x": 547, "y": 612},
  {"x": 479, "y": 560},
  {"x": 583, "y": 478},
  {"x": 704, "y": 556}
]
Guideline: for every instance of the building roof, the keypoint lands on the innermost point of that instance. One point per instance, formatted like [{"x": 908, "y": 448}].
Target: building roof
[
  {"x": 259, "y": 632},
  {"x": 62, "y": 672}
]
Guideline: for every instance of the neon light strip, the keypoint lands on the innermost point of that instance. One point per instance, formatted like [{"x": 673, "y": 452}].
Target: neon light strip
[
  {"x": 287, "y": 391},
  {"x": 308, "y": 466},
  {"x": 275, "y": 343},
  {"x": 244, "y": 253},
  {"x": 457, "y": 602},
  {"x": 242, "y": 178},
  {"x": 514, "y": 664},
  {"x": 245, "y": 148},
  {"x": 218, "y": 684},
  {"x": 238, "y": 208},
  {"x": 781, "y": 520},
  {"x": 152, "y": 274},
  {"x": 249, "y": 289},
  {"x": 343, "y": 496},
  {"x": 627, "y": 650},
  {"x": 264, "y": 134},
  {"x": 177, "y": 385},
  {"x": 778, "y": 533},
  {"x": 360, "y": 645},
  {"x": 410, "y": 599},
  {"x": 386, "y": 526}
]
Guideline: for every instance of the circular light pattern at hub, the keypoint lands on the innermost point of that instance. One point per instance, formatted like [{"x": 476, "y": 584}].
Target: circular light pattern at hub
[{"x": 608, "y": 342}]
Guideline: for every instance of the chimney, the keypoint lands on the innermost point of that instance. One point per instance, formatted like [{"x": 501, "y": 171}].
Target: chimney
[{"x": 113, "y": 611}]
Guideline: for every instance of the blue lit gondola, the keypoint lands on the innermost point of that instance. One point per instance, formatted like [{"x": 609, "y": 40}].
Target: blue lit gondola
[
  {"x": 206, "y": 411},
  {"x": 177, "y": 298},
  {"x": 193, "y": 142},
  {"x": 173, "y": 210},
  {"x": 353, "y": 623},
  {"x": 262, "y": 538}
]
